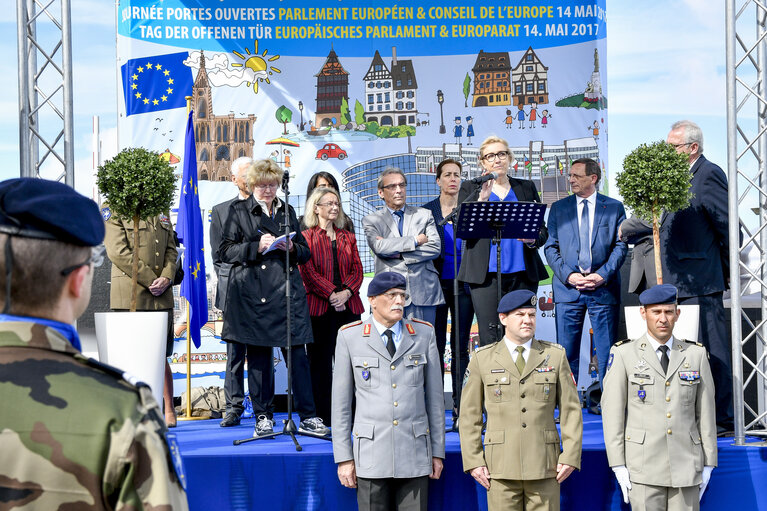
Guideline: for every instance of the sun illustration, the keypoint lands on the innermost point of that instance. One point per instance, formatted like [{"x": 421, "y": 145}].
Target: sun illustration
[{"x": 260, "y": 66}]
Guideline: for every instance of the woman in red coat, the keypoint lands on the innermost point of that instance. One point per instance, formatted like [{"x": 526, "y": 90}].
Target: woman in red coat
[{"x": 332, "y": 278}]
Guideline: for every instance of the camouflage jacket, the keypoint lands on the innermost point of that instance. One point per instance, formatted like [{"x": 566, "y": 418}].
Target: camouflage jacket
[{"x": 74, "y": 434}]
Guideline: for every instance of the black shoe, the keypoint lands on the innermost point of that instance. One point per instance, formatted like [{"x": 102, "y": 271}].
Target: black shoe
[
  {"x": 313, "y": 425},
  {"x": 230, "y": 419}
]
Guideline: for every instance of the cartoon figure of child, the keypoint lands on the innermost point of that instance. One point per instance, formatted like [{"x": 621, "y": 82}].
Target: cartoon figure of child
[
  {"x": 509, "y": 119},
  {"x": 521, "y": 116},
  {"x": 594, "y": 130},
  {"x": 545, "y": 118},
  {"x": 274, "y": 156},
  {"x": 533, "y": 115},
  {"x": 469, "y": 128},
  {"x": 287, "y": 154},
  {"x": 458, "y": 129}
]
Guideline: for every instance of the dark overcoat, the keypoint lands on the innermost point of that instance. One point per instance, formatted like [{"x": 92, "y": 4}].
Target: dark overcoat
[{"x": 256, "y": 306}]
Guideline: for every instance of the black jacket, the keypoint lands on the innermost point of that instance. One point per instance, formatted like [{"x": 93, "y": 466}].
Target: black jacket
[
  {"x": 476, "y": 258},
  {"x": 255, "y": 311}
]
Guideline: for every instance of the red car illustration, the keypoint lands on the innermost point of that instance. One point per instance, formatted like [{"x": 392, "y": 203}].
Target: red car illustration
[{"x": 331, "y": 151}]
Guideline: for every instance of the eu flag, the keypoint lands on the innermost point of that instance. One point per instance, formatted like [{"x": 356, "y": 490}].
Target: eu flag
[
  {"x": 189, "y": 226},
  {"x": 156, "y": 83}
]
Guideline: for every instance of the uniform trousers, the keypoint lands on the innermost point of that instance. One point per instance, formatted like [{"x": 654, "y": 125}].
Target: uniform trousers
[
  {"x": 604, "y": 322},
  {"x": 485, "y": 299},
  {"x": 424, "y": 312},
  {"x": 405, "y": 494},
  {"x": 465, "y": 319},
  {"x": 528, "y": 495},
  {"x": 645, "y": 497},
  {"x": 321, "y": 351},
  {"x": 261, "y": 379},
  {"x": 713, "y": 334}
]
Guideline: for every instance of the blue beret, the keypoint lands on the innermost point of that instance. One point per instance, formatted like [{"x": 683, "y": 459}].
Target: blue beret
[
  {"x": 385, "y": 281},
  {"x": 521, "y": 298},
  {"x": 44, "y": 209},
  {"x": 660, "y": 294},
  {"x": 457, "y": 117}
]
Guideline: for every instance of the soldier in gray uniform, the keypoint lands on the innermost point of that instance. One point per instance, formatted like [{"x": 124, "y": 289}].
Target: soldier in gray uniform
[
  {"x": 658, "y": 412},
  {"x": 519, "y": 381},
  {"x": 75, "y": 433},
  {"x": 392, "y": 368}
]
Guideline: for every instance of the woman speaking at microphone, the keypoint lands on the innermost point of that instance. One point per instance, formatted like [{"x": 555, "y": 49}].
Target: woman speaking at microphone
[{"x": 521, "y": 265}]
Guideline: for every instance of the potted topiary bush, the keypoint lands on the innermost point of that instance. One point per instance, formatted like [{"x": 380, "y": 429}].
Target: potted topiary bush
[
  {"x": 138, "y": 185},
  {"x": 655, "y": 179}
]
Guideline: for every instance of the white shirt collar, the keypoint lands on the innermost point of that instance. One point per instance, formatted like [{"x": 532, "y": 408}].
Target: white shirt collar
[
  {"x": 657, "y": 344},
  {"x": 396, "y": 328},
  {"x": 591, "y": 198},
  {"x": 512, "y": 347}
]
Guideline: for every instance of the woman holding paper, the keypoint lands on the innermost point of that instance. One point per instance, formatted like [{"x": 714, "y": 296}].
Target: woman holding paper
[
  {"x": 332, "y": 278},
  {"x": 255, "y": 314}
]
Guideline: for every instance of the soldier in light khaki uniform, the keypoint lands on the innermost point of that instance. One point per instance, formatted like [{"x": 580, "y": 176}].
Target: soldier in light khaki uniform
[
  {"x": 75, "y": 433},
  {"x": 519, "y": 381},
  {"x": 156, "y": 269},
  {"x": 658, "y": 412}
]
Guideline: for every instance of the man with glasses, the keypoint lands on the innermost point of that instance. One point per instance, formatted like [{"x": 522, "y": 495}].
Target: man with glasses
[
  {"x": 405, "y": 240},
  {"x": 156, "y": 268},
  {"x": 695, "y": 258},
  {"x": 586, "y": 255},
  {"x": 76, "y": 433},
  {"x": 391, "y": 367}
]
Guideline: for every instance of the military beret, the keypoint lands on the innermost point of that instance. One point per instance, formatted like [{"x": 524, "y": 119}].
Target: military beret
[
  {"x": 385, "y": 281},
  {"x": 660, "y": 294},
  {"x": 521, "y": 298},
  {"x": 44, "y": 209}
]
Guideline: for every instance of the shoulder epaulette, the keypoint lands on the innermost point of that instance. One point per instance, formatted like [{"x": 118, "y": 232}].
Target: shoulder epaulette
[
  {"x": 624, "y": 341},
  {"x": 353, "y": 323},
  {"x": 551, "y": 344},
  {"x": 688, "y": 341},
  {"x": 416, "y": 320},
  {"x": 482, "y": 348},
  {"x": 113, "y": 371}
]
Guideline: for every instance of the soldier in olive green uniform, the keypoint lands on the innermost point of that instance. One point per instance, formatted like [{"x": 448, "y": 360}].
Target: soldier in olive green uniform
[
  {"x": 74, "y": 434},
  {"x": 519, "y": 381},
  {"x": 658, "y": 412},
  {"x": 156, "y": 268}
]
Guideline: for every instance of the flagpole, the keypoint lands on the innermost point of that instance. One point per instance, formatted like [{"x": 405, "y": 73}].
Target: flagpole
[{"x": 188, "y": 411}]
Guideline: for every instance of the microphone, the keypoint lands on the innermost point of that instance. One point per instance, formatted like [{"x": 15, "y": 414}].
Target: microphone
[{"x": 487, "y": 177}]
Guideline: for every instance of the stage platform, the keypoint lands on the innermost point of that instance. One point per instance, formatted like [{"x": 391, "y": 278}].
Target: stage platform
[{"x": 270, "y": 474}]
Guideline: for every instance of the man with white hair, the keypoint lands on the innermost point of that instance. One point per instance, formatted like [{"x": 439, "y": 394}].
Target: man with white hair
[
  {"x": 234, "y": 389},
  {"x": 694, "y": 257}
]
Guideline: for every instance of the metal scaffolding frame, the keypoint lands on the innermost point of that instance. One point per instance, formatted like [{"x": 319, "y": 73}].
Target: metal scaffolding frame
[
  {"x": 46, "y": 129},
  {"x": 746, "y": 64}
]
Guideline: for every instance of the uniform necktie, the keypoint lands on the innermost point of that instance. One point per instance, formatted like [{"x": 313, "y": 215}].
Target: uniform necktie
[
  {"x": 584, "y": 252},
  {"x": 664, "y": 358},
  {"x": 520, "y": 362},
  {"x": 400, "y": 220},
  {"x": 390, "y": 342}
]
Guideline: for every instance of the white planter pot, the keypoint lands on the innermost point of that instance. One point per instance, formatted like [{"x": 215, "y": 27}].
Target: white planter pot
[
  {"x": 686, "y": 326},
  {"x": 135, "y": 342}
]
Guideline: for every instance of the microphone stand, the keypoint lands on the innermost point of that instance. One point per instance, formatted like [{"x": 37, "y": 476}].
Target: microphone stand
[
  {"x": 290, "y": 426},
  {"x": 456, "y": 347}
]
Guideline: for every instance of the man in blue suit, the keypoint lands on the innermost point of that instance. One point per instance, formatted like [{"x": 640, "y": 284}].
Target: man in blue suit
[{"x": 585, "y": 253}]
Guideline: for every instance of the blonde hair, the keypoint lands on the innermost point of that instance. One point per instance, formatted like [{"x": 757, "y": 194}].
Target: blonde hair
[
  {"x": 310, "y": 217},
  {"x": 494, "y": 139},
  {"x": 263, "y": 172}
]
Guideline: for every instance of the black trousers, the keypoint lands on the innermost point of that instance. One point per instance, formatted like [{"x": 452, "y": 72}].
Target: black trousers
[
  {"x": 387, "y": 494},
  {"x": 321, "y": 352},
  {"x": 485, "y": 299},
  {"x": 261, "y": 379},
  {"x": 713, "y": 334},
  {"x": 465, "y": 319}
]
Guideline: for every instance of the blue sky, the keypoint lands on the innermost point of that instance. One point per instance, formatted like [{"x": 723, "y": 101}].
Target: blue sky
[{"x": 665, "y": 61}]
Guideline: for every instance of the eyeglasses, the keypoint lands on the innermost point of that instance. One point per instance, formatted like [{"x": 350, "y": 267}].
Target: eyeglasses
[
  {"x": 491, "y": 157},
  {"x": 329, "y": 204},
  {"x": 677, "y": 146},
  {"x": 395, "y": 186},
  {"x": 393, "y": 295},
  {"x": 96, "y": 259},
  {"x": 272, "y": 186}
]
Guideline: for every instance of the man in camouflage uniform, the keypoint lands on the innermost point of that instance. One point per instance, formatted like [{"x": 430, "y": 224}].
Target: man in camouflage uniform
[
  {"x": 74, "y": 434},
  {"x": 157, "y": 255}
]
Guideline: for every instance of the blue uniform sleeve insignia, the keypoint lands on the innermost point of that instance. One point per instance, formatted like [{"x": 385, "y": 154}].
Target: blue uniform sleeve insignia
[
  {"x": 610, "y": 361},
  {"x": 106, "y": 213},
  {"x": 175, "y": 456}
]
